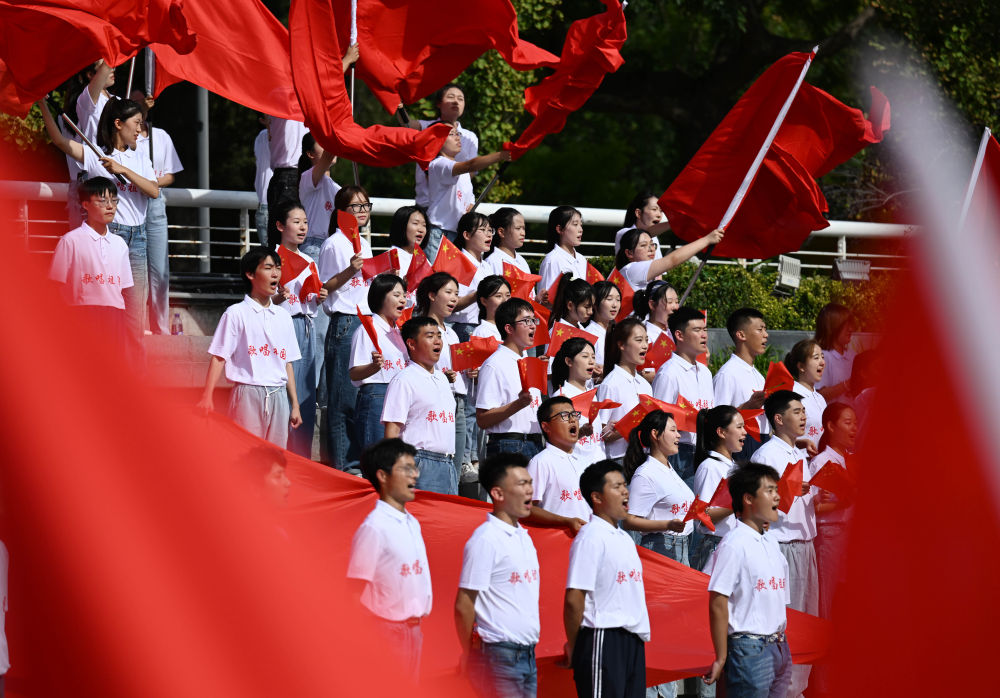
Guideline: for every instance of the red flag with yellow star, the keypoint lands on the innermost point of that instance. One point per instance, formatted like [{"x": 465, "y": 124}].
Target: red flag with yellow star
[
  {"x": 593, "y": 275},
  {"x": 348, "y": 225},
  {"x": 385, "y": 262},
  {"x": 721, "y": 496},
  {"x": 561, "y": 332},
  {"x": 533, "y": 373},
  {"x": 472, "y": 354},
  {"x": 451, "y": 259},
  {"x": 697, "y": 511},
  {"x": 685, "y": 414},
  {"x": 659, "y": 353},
  {"x": 521, "y": 282},
  {"x": 647, "y": 404},
  {"x": 420, "y": 268},
  {"x": 626, "y": 290}
]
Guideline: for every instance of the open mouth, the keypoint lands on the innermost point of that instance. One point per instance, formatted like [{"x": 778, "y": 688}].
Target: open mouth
[
  {"x": 401, "y": 307},
  {"x": 573, "y": 431},
  {"x": 273, "y": 286},
  {"x": 451, "y": 308},
  {"x": 590, "y": 370}
]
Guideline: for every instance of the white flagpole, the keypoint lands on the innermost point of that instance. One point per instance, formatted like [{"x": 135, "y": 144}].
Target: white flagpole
[
  {"x": 975, "y": 177},
  {"x": 741, "y": 193},
  {"x": 131, "y": 72},
  {"x": 150, "y": 84},
  {"x": 354, "y": 40}
]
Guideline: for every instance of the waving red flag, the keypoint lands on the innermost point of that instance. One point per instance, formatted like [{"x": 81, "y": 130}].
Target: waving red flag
[
  {"x": 533, "y": 373},
  {"x": 472, "y": 354},
  {"x": 292, "y": 265},
  {"x": 778, "y": 378},
  {"x": 684, "y": 414},
  {"x": 542, "y": 336},
  {"x": 45, "y": 43},
  {"x": 626, "y": 292},
  {"x": 385, "y": 262},
  {"x": 452, "y": 260},
  {"x": 721, "y": 496},
  {"x": 561, "y": 332},
  {"x": 592, "y": 49},
  {"x": 751, "y": 423},
  {"x": 593, "y": 275},
  {"x": 784, "y": 203},
  {"x": 659, "y": 353},
  {"x": 790, "y": 485},
  {"x": 404, "y": 316},
  {"x": 521, "y": 282},
  {"x": 697, "y": 511},
  {"x": 647, "y": 404},
  {"x": 366, "y": 322},
  {"x": 348, "y": 224},
  {"x": 834, "y": 478},
  {"x": 419, "y": 269}
]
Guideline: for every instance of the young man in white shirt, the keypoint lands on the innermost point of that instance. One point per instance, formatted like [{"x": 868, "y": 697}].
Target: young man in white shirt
[
  {"x": 683, "y": 375},
  {"x": 504, "y": 411},
  {"x": 388, "y": 557},
  {"x": 605, "y": 604},
  {"x": 420, "y": 407},
  {"x": 255, "y": 344},
  {"x": 498, "y": 587},
  {"x": 555, "y": 471},
  {"x": 748, "y": 592},
  {"x": 794, "y": 531},
  {"x": 737, "y": 382}
]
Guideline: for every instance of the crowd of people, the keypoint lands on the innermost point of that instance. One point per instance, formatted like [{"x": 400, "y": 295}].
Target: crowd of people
[{"x": 318, "y": 330}]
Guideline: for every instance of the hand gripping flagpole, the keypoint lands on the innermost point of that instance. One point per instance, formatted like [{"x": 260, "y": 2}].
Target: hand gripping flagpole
[
  {"x": 741, "y": 193},
  {"x": 975, "y": 177},
  {"x": 354, "y": 40},
  {"x": 93, "y": 147}
]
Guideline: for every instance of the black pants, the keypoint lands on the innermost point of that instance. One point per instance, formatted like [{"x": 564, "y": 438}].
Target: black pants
[
  {"x": 609, "y": 662},
  {"x": 284, "y": 186}
]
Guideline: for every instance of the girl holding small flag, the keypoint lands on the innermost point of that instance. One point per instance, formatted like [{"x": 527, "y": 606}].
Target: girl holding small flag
[
  {"x": 607, "y": 303},
  {"x": 572, "y": 374}
]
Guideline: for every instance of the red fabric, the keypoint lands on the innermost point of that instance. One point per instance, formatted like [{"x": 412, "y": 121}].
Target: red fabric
[
  {"x": 583, "y": 401},
  {"x": 626, "y": 292},
  {"x": 599, "y": 405},
  {"x": 419, "y": 269},
  {"x": 833, "y": 478},
  {"x": 411, "y": 49},
  {"x": 778, "y": 378},
  {"x": 697, "y": 511},
  {"x": 721, "y": 496},
  {"x": 521, "y": 282},
  {"x": 366, "y": 322},
  {"x": 385, "y": 262},
  {"x": 592, "y": 49},
  {"x": 790, "y": 485},
  {"x": 983, "y": 217},
  {"x": 452, "y": 260},
  {"x": 404, "y": 316},
  {"x": 292, "y": 265},
  {"x": 784, "y": 203},
  {"x": 684, "y": 414},
  {"x": 542, "y": 329},
  {"x": 46, "y": 42},
  {"x": 472, "y": 354},
  {"x": 553, "y": 290},
  {"x": 750, "y": 422},
  {"x": 593, "y": 275},
  {"x": 561, "y": 332},
  {"x": 659, "y": 353},
  {"x": 533, "y": 373},
  {"x": 348, "y": 224},
  {"x": 647, "y": 404}
]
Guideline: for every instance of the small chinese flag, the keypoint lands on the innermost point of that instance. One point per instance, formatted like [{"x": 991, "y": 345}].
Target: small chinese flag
[
  {"x": 599, "y": 405},
  {"x": 366, "y": 322},
  {"x": 659, "y": 353},
  {"x": 751, "y": 423},
  {"x": 404, "y": 316},
  {"x": 348, "y": 225},
  {"x": 626, "y": 290},
  {"x": 647, "y": 404},
  {"x": 387, "y": 261},
  {"x": 472, "y": 354},
  {"x": 533, "y": 373},
  {"x": 554, "y": 289},
  {"x": 419, "y": 269},
  {"x": 542, "y": 336},
  {"x": 593, "y": 276},
  {"x": 582, "y": 402},
  {"x": 697, "y": 511},
  {"x": 685, "y": 414},
  {"x": 452, "y": 260},
  {"x": 521, "y": 282},
  {"x": 721, "y": 496},
  {"x": 312, "y": 285},
  {"x": 561, "y": 332},
  {"x": 778, "y": 378},
  {"x": 790, "y": 485},
  {"x": 292, "y": 266},
  {"x": 833, "y": 478}
]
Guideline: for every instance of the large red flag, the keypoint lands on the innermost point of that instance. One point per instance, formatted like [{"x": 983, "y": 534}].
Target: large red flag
[
  {"x": 44, "y": 43},
  {"x": 592, "y": 49},
  {"x": 410, "y": 49},
  {"x": 784, "y": 203}
]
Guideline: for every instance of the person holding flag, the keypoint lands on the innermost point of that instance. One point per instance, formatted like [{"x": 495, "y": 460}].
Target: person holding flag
[
  {"x": 491, "y": 292},
  {"x": 408, "y": 236},
  {"x": 637, "y": 262},
  {"x": 572, "y": 375}
]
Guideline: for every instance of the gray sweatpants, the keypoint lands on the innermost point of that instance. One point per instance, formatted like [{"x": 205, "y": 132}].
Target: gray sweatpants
[
  {"x": 262, "y": 410},
  {"x": 803, "y": 586}
]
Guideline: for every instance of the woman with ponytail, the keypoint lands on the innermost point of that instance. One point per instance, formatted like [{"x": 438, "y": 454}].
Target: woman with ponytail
[
  {"x": 573, "y": 304},
  {"x": 607, "y": 303},
  {"x": 624, "y": 351},
  {"x": 572, "y": 374}
]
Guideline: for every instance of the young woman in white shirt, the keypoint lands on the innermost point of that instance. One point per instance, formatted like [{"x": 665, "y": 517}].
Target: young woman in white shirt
[
  {"x": 607, "y": 303},
  {"x": 509, "y": 232},
  {"x": 721, "y": 433},
  {"x": 490, "y": 293},
  {"x": 806, "y": 364},
  {"x": 654, "y": 305},
  {"x": 644, "y": 213},
  {"x": 573, "y": 303},
  {"x": 637, "y": 262},
  {"x": 407, "y": 232},
  {"x": 572, "y": 374},
  {"x": 624, "y": 351},
  {"x": 835, "y": 325},
  {"x": 474, "y": 237},
  {"x": 565, "y": 233}
]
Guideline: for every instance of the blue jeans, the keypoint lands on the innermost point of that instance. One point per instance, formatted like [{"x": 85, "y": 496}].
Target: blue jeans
[
  {"x": 504, "y": 670},
  {"x": 368, "y": 414},
  {"x": 461, "y": 431},
  {"x": 158, "y": 265},
  {"x": 527, "y": 448},
  {"x": 260, "y": 221},
  {"x": 341, "y": 393},
  {"x": 320, "y": 323},
  {"x": 433, "y": 243},
  {"x": 135, "y": 297},
  {"x": 437, "y": 472},
  {"x": 300, "y": 440},
  {"x": 757, "y": 668},
  {"x": 674, "y": 547},
  {"x": 468, "y": 453},
  {"x": 703, "y": 551}
]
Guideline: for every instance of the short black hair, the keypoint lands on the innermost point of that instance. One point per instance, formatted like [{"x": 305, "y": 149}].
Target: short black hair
[
  {"x": 400, "y": 219},
  {"x": 545, "y": 410},
  {"x": 739, "y": 319},
  {"x": 382, "y": 455},
  {"x": 777, "y": 402},
  {"x": 380, "y": 288},
  {"x": 96, "y": 186},
  {"x": 592, "y": 479},
  {"x": 680, "y": 318},
  {"x": 493, "y": 469},
  {"x": 507, "y": 313},
  {"x": 251, "y": 260},
  {"x": 747, "y": 479},
  {"x": 411, "y": 328}
]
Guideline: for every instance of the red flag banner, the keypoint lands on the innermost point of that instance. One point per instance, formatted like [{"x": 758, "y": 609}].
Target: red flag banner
[
  {"x": 834, "y": 478},
  {"x": 697, "y": 511},
  {"x": 419, "y": 269},
  {"x": 790, "y": 485},
  {"x": 404, "y": 316},
  {"x": 684, "y": 414},
  {"x": 626, "y": 292},
  {"x": 784, "y": 203},
  {"x": 561, "y": 332},
  {"x": 452, "y": 260},
  {"x": 521, "y": 282},
  {"x": 472, "y": 354},
  {"x": 532, "y": 371},
  {"x": 721, "y": 496},
  {"x": 778, "y": 378},
  {"x": 348, "y": 224},
  {"x": 751, "y": 423},
  {"x": 385, "y": 262},
  {"x": 659, "y": 353},
  {"x": 542, "y": 336},
  {"x": 647, "y": 404},
  {"x": 366, "y": 322},
  {"x": 593, "y": 275}
]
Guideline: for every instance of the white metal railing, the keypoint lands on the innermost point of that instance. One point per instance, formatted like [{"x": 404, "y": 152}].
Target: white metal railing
[{"x": 241, "y": 236}]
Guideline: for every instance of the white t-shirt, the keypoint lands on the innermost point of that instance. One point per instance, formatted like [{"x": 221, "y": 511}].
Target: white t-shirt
[
  {"x": 499, "y": 561},
  {"x": 555, "y": 477},
  {"x": 388, "y": 552},
  {"x": 262, "y": 157},
  {"x": 88, "y": 114},
  {"x": 657, "y": 493},
  {"x": 557, "y": 262},
  {"x": 390, "y": 341},
  {"x": 653, "y": 332},
  {"x": 499, "y": 385},
  {"x": 487, "y": 329},
  {"x": 800, "y": 521},
  {"x": 335, "y": 256},
  {"x": 589, "y": 449},
  {"x": 601, "y": 334},
  {"x": 450, "y": 339},
  {"x": 256, "y": 343},
  {"x": 470, "y": 313},
  {"x": 752, "y": 572},
  {"x": 604, "y": 563},
  {"x": 635, "y": 273},
  {"x": 709, "y": 474},
  {"x": 449, "y": 196},
  {"x": 694, "y": 381},
  {"x": 735, "y": 382},
  {"x": 131, "y": 202},
  {"x": 286, "y": 142},
  {"x": 318, "y": 203},
  {"x": 657, "y": 254},
  {"x": 828, "y": 455},
  {"x": 297, "y": 304},
  {"x": 470, "y": 149},
  {"x": 623, "y": 388},
  {"x": 815, "y": 404},
  {"x": 165, "y": 158},
  {"x": 422, "y": 402},
  {"x": 494, "y": 262},
  {"x": 94, "y": 268}
]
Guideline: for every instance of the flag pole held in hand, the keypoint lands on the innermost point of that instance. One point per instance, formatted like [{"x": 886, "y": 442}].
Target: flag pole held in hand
[
  {"x": 353, "y": 41},
  {"x": 486, "y": 190},
  {"x": 93, "y": 147}
]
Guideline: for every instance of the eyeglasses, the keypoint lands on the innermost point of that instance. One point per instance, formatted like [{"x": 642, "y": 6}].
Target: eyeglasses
[
  {"x": 565, "y": 416},
  {"x": 528, "y": 322},
  {"x": 409, "y": 470},
  {"x": 106, "y": 203},
  {"x": 358, "y": 208}
]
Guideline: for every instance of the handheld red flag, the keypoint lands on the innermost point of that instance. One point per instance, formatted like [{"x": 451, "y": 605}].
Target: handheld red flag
[
  {"x": 778, "y": 378},
  {"x": 790, "y": 485},
  {"x": 721, "y": 496},
  {"x": 385, "y": 262},
  {"x": 472, "y": 354},
  {"x": 647, "y": 404},
  {"x": 659, "y": 353},
  {"x": 561, "y": 332},
  {"x": 404, "y": 316},
  {"x": 751, "y": 423},
  {"x": 291, "y": 265},
  {"x": 697, "y": 511},
  {"x": 583, "y": 401},
  {"x": 685, "y": 414},
  {"x": 598, "y": 405},
  {"x": 542, "y": 336},
  {"x": 553, "y": 290},
  {"x": 533, "y": 373},
  {"x": 833, "y": 478},
  {"x": 366, "y": 322},
  {"x": 521, "y": 282},
  {"x": 593, "y": 275},
  {"x": 452, "y": 260},
  {"x": 348, "y": 225},
  {"x": 626, "y": 292},
  {"x": 419, "y": 269}
]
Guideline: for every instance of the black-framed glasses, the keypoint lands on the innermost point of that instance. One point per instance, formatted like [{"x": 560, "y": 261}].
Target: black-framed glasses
[
  {"x": 358, "y": 208},
  {"x": 565, "y": 416},
  {"x": 528, "y": 322}
]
